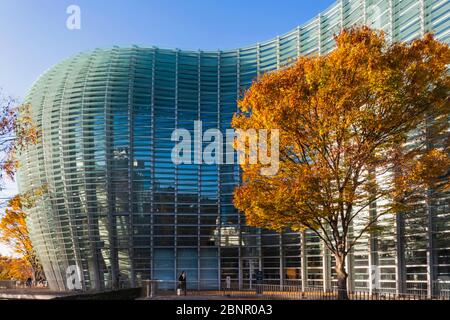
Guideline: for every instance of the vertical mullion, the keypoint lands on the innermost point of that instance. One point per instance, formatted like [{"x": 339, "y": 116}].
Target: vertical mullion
[
  {"x": 152, "y": 168},
  {"x": 95, "y": 282},
  {"x": 260, "y": 258},
  {"x": 319, "y": 21},
  {"x": 219, "y": 186},
  {"x": 303, "y": 261},
  {"x": 131, "y": 83},
  {"x": 240, "y": 222},
  {"x": 199, "y": 150},
  {"x": 111, "y": 224},
  {"x": 176, "y": 173}
]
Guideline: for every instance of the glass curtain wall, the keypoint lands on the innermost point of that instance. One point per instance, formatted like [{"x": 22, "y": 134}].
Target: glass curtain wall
[{"x": 121, "y": 211}]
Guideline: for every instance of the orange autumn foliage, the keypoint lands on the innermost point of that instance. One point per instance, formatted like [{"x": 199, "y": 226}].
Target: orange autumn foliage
[
  {"x": 367, "y": 122},
  {"x": 17, "y": 132},
  {"x": 14, "y": 231},
  {"x": 14, "y": 269}
]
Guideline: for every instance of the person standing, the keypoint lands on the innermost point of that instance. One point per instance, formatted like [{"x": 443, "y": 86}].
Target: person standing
[
  {"x": 119, "y": 281},
  {"x": 182, "y": 281}
]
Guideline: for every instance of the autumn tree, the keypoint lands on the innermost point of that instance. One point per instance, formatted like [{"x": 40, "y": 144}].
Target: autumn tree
[
  {"x": 346, "y": 124},
  {"x": 14, "y": 268},
  {"x": 17, "y": 132},
  {"x": 14, "y": 231}
]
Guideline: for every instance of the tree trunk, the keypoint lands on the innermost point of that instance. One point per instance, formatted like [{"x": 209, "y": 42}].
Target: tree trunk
[
  {"x": 341, "y": 276},
  {"x": 37, "y": 270}
]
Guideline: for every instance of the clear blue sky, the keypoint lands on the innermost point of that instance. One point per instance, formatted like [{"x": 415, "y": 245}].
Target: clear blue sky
[{"x": 34, "y": 35}]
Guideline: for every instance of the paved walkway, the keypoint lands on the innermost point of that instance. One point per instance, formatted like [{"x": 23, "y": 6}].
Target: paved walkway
[
  {"x": 31, "y": 294},
  {"x": 198, "y": 297}
]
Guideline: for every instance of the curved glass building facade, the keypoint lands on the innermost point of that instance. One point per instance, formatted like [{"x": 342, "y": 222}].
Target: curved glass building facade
[{"x": 118, "y": 208}]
